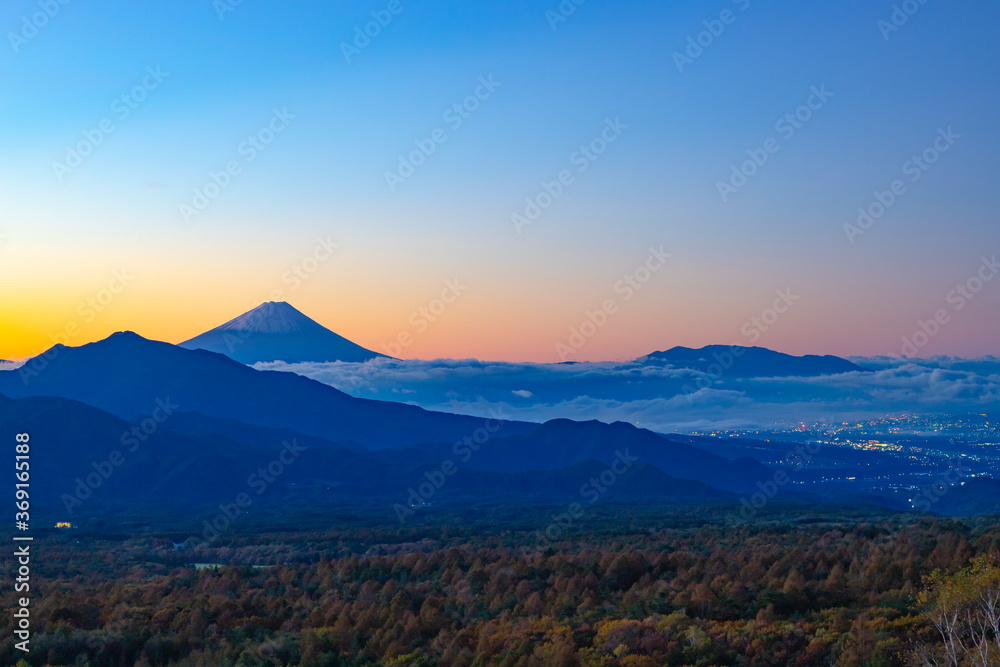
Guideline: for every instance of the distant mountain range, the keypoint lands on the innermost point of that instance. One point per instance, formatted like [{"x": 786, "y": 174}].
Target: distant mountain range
[
  {"x": 561, "y": 443},
  {"x": 126, "y": 375},
  {"x": 190, "y": 427},
  {"x": 276, "y": 331},
  {"x": 747, "y": 362},
  {"x": 93, "y": 464}
]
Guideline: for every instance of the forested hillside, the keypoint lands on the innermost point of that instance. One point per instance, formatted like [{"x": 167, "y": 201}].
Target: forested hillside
[{"x": 655, "y": 588}]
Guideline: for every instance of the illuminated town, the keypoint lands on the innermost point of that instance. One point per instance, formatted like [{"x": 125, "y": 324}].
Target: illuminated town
[{"x": 894, "y": 457}]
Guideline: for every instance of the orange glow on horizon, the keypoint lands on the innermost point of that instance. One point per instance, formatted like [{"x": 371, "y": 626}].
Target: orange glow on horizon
[{"x": 27, "y": 330}]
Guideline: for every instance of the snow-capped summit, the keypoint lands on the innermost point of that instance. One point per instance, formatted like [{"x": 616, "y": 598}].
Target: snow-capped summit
[
  {"x": 269, "y": 317},
  {"x": 277, "y": 331}
]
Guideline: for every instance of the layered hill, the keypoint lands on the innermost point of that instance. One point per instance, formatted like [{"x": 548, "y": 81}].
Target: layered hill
[
  {"x": 562, "y": 443},
  {"x": 126, "y": 375},
  {"x": 87, "y": 463}
]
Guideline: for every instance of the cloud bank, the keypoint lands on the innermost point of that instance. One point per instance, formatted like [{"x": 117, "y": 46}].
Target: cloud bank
[{"x": 660, "y": 397}]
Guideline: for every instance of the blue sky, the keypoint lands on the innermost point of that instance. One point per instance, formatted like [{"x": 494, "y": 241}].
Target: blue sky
[{"x": 656, "y": 184}]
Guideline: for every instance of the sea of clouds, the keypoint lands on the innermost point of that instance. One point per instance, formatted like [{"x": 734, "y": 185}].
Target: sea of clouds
[{"x": 661, "y": 397}]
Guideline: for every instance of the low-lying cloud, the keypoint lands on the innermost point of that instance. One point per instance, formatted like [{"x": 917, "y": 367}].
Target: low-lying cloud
[{"x": 659, "y": 397}]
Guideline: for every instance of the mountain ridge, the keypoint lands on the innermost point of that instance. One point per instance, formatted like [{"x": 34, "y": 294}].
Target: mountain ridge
[
  {"x": 89, "y": 478},
  {"x": 754, "y": 361},
  {"x": 126, "y": 374}
]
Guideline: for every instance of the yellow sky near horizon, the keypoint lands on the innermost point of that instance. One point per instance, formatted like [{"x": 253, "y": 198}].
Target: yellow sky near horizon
[{"x": 517, "y": 310}]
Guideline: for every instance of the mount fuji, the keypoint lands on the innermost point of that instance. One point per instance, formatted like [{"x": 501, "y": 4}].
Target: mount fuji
[{"x": 276, "y": 331}]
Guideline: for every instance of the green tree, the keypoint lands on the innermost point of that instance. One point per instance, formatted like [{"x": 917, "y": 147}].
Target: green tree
[{"x": 964, "y": 608}]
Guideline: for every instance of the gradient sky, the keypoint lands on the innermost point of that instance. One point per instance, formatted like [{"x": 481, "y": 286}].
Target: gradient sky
[{"x": 656, "y": 185}]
